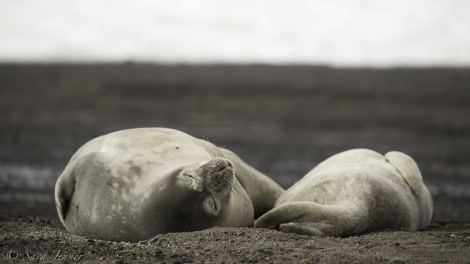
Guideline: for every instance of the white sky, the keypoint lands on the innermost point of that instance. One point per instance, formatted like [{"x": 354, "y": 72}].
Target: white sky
[{"x": 378, "y": 33}]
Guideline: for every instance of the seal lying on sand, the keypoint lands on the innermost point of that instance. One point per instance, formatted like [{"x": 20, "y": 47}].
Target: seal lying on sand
[
  {"x": 353, "y": 192},
  {"x": 133, "y": 184}
]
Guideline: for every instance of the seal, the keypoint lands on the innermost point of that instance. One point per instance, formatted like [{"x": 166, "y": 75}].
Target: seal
[
  {"x": 132, "y": 184},
  {"x": 353, "y": 192}
]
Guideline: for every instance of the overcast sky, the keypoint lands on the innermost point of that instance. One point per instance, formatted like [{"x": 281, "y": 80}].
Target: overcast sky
[{"x": 377, "y": 33}]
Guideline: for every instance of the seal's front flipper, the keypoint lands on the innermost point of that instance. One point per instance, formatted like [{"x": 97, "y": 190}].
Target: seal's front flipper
[
  {"x": 279, "y": 215},
  {"x": 309, "y": 229},
  {"x": 407, "y": 168},
  {"x": 263, "y": 191},
  {"x": 309, "y": 218}
]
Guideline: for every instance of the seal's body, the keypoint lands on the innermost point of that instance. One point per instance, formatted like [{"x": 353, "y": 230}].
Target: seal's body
[
  {"x": 133, "y": 184},
  {"x": 353, "y": 192}
]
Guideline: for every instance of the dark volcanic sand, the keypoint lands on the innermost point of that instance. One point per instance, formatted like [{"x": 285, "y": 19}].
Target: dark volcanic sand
[
  {"x": 282, "y": 120},
  {"x": 23, "y": 239}
]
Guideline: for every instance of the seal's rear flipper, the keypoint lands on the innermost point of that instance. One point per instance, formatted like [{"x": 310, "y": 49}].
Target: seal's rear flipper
[
  {"x": 313, "y": 219},
  {"x": 64, "y": 189},
  {"x": 66, "y": 184},
  {"x": 407, "y": 168}
]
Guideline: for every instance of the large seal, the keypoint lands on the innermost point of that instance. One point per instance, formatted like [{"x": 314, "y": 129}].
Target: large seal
[
  {"x": 133, "y": 184},
  {"x": 353, "y": 192}
]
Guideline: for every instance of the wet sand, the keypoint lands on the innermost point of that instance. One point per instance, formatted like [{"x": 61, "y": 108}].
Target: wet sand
[{"x": 282, "y": 120}]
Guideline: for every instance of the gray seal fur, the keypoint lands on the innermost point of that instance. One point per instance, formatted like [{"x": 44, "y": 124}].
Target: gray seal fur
[
  {"x": 353, "y": 192},
  {"x": 132, "y": 184}
]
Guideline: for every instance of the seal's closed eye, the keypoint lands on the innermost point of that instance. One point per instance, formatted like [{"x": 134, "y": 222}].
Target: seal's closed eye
[{"x": 210, "y": 205}]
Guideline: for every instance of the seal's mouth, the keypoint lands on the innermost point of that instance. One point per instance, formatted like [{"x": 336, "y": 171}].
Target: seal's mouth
[
  {"x": 214, "y": 176},
  {"x": 218, "y": 175}
]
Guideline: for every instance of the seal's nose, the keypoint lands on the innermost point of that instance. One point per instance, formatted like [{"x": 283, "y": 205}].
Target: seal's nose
[
  {"x": 219, "y": 164},
  {"x": 228, "y": 163},
  {"x": 219, "y": 173}
]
